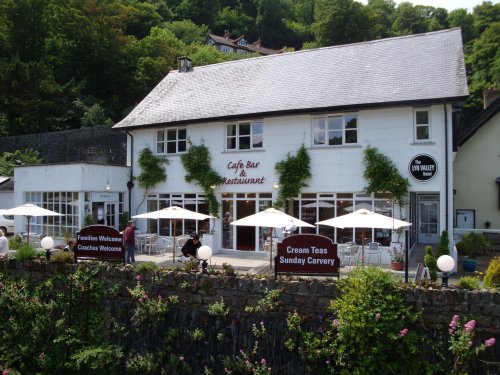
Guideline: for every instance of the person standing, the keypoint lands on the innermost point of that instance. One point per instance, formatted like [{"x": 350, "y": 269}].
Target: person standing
[
  {"x": 4, "y": 244},
  {"x": 129, "y": 242},
  {"x": 190, "y": 248},
  {"x": 227, "y": 229}
]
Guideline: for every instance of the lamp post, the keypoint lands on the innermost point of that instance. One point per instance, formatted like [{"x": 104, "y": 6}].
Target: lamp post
[
  {"x": 47, "y": 243},
  {"x": 446, "y": 264},
  {"x": 204, "y": 253}
]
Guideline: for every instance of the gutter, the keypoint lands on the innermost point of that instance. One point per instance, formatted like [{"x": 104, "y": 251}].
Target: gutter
[
  {"x": 130, "y": 183},
  {"x": 447, "y": 182}
]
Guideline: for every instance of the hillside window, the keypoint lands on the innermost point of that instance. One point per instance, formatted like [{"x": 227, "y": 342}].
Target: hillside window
[
  {"x": 244, "y": 136},
  {"x": 171, "y": 141},
  {"x": 422, "y": 125},
  {"x": 335, "y": 130}
]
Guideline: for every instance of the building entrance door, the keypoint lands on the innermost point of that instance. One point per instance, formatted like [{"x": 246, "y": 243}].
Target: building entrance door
[
  {"x": 428, "y": 219},
  {"x": 245, "y": 236}
]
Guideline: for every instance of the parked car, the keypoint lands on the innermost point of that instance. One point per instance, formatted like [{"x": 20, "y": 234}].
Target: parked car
[{"x": 7, "y": 224}]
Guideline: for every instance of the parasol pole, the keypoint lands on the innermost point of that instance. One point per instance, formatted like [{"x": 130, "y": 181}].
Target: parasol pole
[
  {"x": 363, "y": 245},
  {"x": 175, "y": 242},
  {"x": 271, "y": 248},
  {"x": 29, "y": 219}
]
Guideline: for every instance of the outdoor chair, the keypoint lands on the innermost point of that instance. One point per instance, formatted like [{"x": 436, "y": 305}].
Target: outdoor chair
[
  {"x": 348, "y": 253},
  {"x": 373, "y": 250},
  {"x": 151, "y": 244}
]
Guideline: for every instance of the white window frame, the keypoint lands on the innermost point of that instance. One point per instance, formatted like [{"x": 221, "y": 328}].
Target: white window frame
[
  {"x": 253, "y": 135},
  {"x": 417, "y": 126},
  {"x": 162, "y": 140},
  {"x": 344, "y": 130}
]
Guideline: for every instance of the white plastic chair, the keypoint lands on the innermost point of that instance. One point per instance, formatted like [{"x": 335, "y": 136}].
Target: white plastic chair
[
  {"x": 349, "y": 252},
  {"x": 373, "y": 249},
  {"x": 151, "y": 244},
  {"x": 165, "y": 244}
]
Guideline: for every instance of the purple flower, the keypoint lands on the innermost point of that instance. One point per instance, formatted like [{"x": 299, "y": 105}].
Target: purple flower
[
  {"x": 263, "y": 361},
  {"x": 470, "y": 325},
  {"x": 377, "y": 316},
  {"x": 138, "y": 277},
  {"x": 403, "y": 332},
  {"x": 336, "y": 323},
  {"x": 328, "y": 362},
  {"x": 490, "y": 342},
  {"x": 454, "y": 322}
]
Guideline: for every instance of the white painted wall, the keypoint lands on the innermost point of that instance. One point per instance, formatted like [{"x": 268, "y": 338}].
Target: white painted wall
[
  {"x": 477, "y": 165},
  {"x": 334, "y": 169}
]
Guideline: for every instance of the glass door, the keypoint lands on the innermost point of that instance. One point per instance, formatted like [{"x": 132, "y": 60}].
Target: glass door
[
  {"x": 111, "y": 212},
  {"x": 428, "y": 219}
]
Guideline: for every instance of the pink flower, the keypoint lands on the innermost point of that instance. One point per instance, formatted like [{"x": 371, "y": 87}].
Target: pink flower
[
  {"x": 336, "y": 323},
  {"x": 470, "y": 343},
  {"x": 328, "y": 362},
  {"x": 263, "y": 361},
  {"x": 454, "y": 322},
  {"x": 403, "y": 332},
  {"x": 470, "y": 325},
  {"x": 138, "y": 277},
  {"x": 377, "y": 316},
  {"x": 181, "y": 358},
  {"x": 6, "y": 372},
  {"x": 403, "y": 318},
  {"x": 490, "y": 342}
]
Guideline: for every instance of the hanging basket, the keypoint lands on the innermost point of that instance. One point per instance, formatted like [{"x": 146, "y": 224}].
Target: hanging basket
[{"x": 397, "y": 266}]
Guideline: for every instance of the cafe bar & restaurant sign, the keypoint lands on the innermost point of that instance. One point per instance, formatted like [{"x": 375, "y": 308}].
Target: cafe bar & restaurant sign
[
  {"x": 99, "y": 242},
  {"x": 307, "y": 254}
]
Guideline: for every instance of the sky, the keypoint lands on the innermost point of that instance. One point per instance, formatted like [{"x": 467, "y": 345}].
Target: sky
[{"x": 447, "y": 4}]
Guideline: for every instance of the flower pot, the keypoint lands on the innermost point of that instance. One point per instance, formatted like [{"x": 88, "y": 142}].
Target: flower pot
[
  {"x": 397, "y": 266},
  {"x": 469, "y": 265}
]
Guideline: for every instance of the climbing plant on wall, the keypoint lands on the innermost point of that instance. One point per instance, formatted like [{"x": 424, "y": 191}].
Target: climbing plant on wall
[
  {"x": 152, "y": 171},
  {"x": 293, "y": 172},
  {"x": 383, "y": 176},
  {"x": 197, "y": 163}
]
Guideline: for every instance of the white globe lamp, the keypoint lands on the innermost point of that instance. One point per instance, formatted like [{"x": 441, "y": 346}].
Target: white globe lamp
[
  {"x": 204, "y": 253},
  {"x": 445, "y": 264},
  {"x": 47, "y": 243}
]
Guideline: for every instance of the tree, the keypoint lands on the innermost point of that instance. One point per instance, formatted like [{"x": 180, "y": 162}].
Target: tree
[
  {"x": 460, "y": 18},
  {"x": 341, "y": 22},
  {"x": 409, "y": 20},
  {"x": 201, "y": 12},
  {"x": 270, "y": 23},
  {"x": 382, "y": 13},
  {"x": 8, "y": 160},
  {"x": 187, "y": 31}
]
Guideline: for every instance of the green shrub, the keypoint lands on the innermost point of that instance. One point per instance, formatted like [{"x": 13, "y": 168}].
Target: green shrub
[
  {"x": 191, "y": 266},
  {"x": 431, "y": 263},
  {"x": 25, "y": 252},
  {"x": 473, "y": 244},
  {"x": 218, "y": 309},
  {"x": 227, "y": 269},
  {"x": 443, "y": 248},
  {"x": 492, "y": 277},
  {"x": 14, "y": 242},
  {"x": 468, "y": 282},
  {"x": 145, "y": 267},
  {"x": 375, "y": 329},
  {"x": 62, "y": 257}
]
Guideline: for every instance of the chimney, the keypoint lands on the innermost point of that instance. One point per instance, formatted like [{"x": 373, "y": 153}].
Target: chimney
[
  {"x": 184, "y": 64},
  {"x": 226, "y": 34},
  {"x": 257, "y": 44},
  {"x": 489, "y": 96}
]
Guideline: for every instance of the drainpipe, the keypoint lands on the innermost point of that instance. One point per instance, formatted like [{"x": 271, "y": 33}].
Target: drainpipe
[
  {"x": 447, "y": 182},
  {"x": 130, "y": 183}
]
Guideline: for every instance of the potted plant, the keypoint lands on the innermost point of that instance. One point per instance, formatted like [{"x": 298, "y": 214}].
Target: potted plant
[
  {"x": 470, "y": 246},
  {"x": 397, "y": 254}
]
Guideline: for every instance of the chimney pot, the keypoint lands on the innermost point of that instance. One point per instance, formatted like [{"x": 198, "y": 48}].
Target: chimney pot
[{"x": 184, "y": 64}]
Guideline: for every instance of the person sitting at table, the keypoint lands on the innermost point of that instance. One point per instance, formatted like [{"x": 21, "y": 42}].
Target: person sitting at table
[
  {"x": 70, "y": 246},
  {"x": 190, "y": 248}
]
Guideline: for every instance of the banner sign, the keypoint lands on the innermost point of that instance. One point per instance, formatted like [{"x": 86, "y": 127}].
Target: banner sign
[
  {"x": 99, "y": 242},
  {"x": 307, "y": 254},
  {"x": 423, "y": 167}
]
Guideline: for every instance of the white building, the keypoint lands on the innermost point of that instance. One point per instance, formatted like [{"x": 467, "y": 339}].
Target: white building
[{"x": 397, "y": 95}]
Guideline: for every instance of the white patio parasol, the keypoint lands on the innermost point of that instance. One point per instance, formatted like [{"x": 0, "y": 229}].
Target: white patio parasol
[
  {"x": 363, "y": 206},
  {"x": 364, "y": 219},
  {"x": 271, "y": 218},
  {"x": 321, "y": 204},
  {"x": 29, "y": 210},
  {"x": 173, "y": 213}
]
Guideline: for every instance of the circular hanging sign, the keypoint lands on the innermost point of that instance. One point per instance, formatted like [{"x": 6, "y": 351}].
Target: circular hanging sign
[{"x": 423, "y": 167}]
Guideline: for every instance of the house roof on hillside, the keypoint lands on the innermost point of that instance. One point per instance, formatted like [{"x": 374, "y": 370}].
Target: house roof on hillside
[
  {"x": 477, "y": 122},
  {"x": 421, "y": 68},
  {"x": 250, "y": 47}
]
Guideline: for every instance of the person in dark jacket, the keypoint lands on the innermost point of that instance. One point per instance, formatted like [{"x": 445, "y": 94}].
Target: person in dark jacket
[
  {"x": 190, "y": 248},
  {"x": 129, "y": 242}
]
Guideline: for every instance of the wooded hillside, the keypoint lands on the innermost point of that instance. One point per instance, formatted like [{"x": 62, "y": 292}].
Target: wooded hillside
[{"x": 66, "y": 64}]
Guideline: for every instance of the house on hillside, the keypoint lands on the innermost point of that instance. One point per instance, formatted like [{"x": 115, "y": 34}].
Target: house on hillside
[
  {"x": 477, "y": 170},
  {"x": 395, "y": 94},
  {"x": 238, "y": 45}
]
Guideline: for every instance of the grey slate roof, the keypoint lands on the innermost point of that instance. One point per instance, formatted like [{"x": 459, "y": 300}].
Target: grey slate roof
[{"x": 414, "y": 68}]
